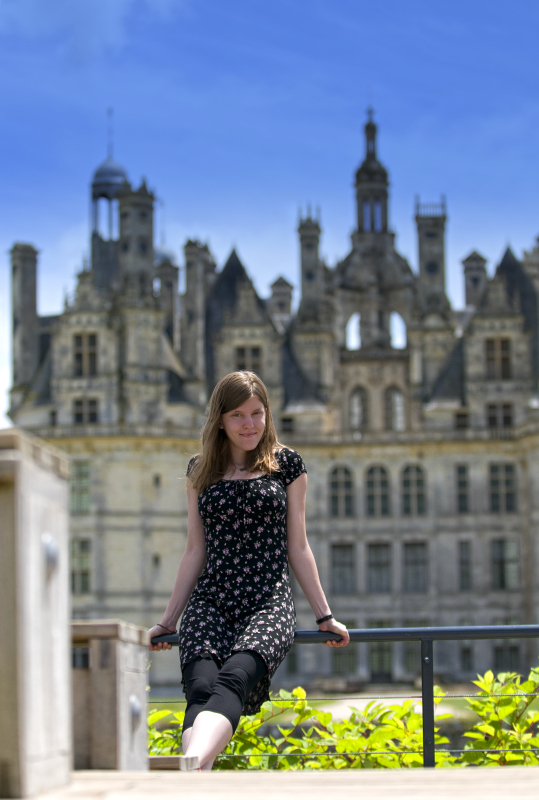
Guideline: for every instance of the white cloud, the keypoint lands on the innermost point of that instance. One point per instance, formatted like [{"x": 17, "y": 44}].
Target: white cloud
[{"x": 86, "y": 27}]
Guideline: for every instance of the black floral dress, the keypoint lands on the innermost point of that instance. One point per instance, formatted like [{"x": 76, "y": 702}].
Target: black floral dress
[{"x": 243, "y": 599}]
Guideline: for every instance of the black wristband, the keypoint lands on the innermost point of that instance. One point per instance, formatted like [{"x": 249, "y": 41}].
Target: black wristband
[{"x": 324, "y": 619}]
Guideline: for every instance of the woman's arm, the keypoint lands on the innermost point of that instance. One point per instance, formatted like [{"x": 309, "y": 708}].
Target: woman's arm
[
  {"x": 302, "y": 561},
  {"x": 191, "y": 566}
]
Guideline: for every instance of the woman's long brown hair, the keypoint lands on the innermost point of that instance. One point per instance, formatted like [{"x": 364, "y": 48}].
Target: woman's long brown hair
[{"x": 214, "y": 461}]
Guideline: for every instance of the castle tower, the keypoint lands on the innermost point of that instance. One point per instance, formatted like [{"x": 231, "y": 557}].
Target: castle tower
[
  {"x": 168, "y": 273},
  {"x": 311, "y": 267},
  {"x": 136, "y": 236},
  {"x": 371, "y": 187},
  {"x": 430, "y": 220},
  {"x": 475, "y": 278},
  {"x": 107, "y": 182},
  {"x": 193, "y": 314},
  {"x": 25, "y": 319}
]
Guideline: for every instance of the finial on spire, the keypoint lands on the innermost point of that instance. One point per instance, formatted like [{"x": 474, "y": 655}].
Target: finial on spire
[
  {"x": 110, "y": 132},
  {"x": 370, "y": 113}
]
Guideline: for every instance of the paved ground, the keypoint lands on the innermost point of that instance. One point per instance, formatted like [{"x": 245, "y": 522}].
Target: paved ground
[{"x": 470, "y": 783}]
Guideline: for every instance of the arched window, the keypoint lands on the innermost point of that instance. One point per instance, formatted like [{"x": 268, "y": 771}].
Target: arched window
[
  {"x": 358, "y": 417},
  {"x": 414, "y": 496},
  {"x": 366, "y": 215},
  {"x": 395, "y": 416},
  {"x": 377, "y": 492},
  {"x": 397, "y": 331},
  {"x": 353, "y": 332},
  {"x": 341, "y": 493},
  {"x": 377, "y": 216}
]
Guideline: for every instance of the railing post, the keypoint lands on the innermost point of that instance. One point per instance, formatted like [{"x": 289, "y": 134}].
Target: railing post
[{"x": 427, "y": 696}]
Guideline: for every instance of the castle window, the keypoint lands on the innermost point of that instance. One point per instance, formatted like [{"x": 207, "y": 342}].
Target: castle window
[
  {"x": 344, "y": 660},
  {"x": 125, "y": 246},
  {"x": 358, "y": 409},
  {"x": 287, "y": 425},
  {"x": 366, "y": 215},
  {"x": 81, "y": 552},
  {"x": 85, "y": 411},
  {"x": 412, "y": 650},
  {"x": 343, "y": 573},
  {"x": 415, "y": 567},
  {"x": 341, "y": 493},
  {"x": 465, "y": 566},
  {"x": 394, "y": 408},
  {"x": 249, "y": 358},
  {"x": 80, "y": 487},
  {"x": 378, "y": 568},
  {"x": 143, "y": 246},
  {"x": 85, "y": 354},
  {"x": 462, "y": 488},
  {"x": 432, "y": 267},
  {"x": 503, "y": 497},
  {"x": 461, "y": 421},
  {"x": 292, "y": 661},
  {"x": 504, "y": 564},
  {"x": 377, "y": 492},
  {"x": 380, "y": 655},
  {"x": 507, "y": 657},
  {"x": 414, "y": 499},
  {"x": 498, "y": 359},
  {"x": 499, "y": 415}
]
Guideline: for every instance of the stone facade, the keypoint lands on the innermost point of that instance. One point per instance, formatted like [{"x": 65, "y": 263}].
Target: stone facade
[{"x": 422, "y": 454}]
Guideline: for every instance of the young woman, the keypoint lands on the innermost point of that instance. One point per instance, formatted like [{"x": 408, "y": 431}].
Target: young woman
[{"x": 246, "y": 523}]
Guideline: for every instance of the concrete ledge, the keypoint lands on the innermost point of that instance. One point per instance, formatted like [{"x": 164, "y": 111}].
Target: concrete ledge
[
  {"x": 83, "y": 631},
  {"x": 470, "y": 783},
  {"x": 164, "y": 762},
  {"x": 22, "y": 444}
]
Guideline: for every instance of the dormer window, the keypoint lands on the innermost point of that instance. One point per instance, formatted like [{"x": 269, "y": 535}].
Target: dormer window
[
  {"x": 85, "y": 354},
  {"x": 498, "y": 359},
  {"x": 249, "y": 358}
]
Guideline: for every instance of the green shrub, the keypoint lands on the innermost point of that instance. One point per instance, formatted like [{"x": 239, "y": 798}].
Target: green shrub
[
  {"x": 379, "y": 736},
  {"x": 506, "y": 721}
]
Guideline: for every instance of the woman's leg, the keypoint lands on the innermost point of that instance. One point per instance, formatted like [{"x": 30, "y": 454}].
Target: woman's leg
[
  {"x": 215, "y": 725},
  {"x": 199, "y": 677}
]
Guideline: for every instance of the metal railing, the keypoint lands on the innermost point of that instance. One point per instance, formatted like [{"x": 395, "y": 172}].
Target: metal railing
[{"x": 427, "y": 637}]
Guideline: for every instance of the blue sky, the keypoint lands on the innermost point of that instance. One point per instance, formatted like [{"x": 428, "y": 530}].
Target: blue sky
[{"x": 238, "y": 113}]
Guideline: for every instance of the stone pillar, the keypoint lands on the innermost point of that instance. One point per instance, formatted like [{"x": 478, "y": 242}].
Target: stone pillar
[
  {"x": 35, "y": 694},
  {"x": 109, "y": 695}
]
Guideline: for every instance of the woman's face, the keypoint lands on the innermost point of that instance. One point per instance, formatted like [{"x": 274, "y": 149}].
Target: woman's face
[{"x": 245, "y": 425}]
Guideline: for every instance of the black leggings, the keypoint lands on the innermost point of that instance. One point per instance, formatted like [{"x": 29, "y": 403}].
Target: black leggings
[{"x": 223, "y": 690}]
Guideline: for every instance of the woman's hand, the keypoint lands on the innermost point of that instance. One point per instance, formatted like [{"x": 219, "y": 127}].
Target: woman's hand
[
  {"x": 158, "y": 630},
  {"x": 332, "y": 626}
]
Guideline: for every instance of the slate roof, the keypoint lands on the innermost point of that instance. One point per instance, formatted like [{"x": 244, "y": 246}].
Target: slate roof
[
  {"x": 176, "y": 391},
  {"x": 449, "y": 384},
  {"x": 223, "y": 297},
  {"x": 297, "y": 387},
  {"x": 521, "y": 292}
]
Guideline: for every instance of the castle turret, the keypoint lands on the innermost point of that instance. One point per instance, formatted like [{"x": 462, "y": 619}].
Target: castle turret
[
  {"x": 168, "y": 272},
  {"x": 430, "y": 220},
  {"x": 371, "y": 187},
  {"x": 311, "y": 266},
  {"x": 475, "y": 278},
  {"x": 136, "y": 236},
  {"x": 107, "y": 182},
  {"x": 25, "y": 319}
]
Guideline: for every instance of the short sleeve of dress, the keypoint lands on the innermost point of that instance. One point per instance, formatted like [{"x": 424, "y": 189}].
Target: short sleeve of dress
[{"x": 291, "y": 465}]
